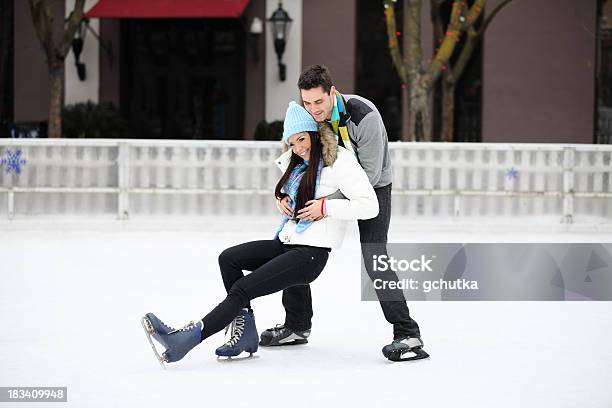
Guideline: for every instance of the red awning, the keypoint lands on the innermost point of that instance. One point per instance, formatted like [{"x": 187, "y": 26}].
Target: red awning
[{"x": 167, "y": 9}]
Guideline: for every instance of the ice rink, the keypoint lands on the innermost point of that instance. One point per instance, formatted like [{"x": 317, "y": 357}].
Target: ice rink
[{"x": 72, "y": 294}]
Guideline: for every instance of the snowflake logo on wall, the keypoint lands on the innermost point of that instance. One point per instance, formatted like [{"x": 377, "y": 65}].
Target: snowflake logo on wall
[
  {"x": 512, "y": 173},
  {"x": 13, "y": 161}
]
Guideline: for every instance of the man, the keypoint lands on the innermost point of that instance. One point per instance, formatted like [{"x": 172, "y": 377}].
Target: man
[{"x": 359, "y": 128}]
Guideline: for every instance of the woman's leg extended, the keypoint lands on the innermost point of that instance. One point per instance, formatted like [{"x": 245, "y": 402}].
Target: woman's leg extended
[
  {"x": 297, "y": 265},
  {"x": 248, "y": 256}
]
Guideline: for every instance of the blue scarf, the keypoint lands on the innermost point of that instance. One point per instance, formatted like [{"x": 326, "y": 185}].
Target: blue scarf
[
  {"x": 291, "y": 188},
  {"x": 338, "y": 123},
  {"x": 336, "y": 111}
]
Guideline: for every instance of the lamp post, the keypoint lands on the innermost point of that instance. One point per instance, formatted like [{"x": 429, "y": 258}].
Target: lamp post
[
  {"x": 78, "y": 42},
  {"x": 280, "y": 22},
  {"x": 77, "y": 47}
]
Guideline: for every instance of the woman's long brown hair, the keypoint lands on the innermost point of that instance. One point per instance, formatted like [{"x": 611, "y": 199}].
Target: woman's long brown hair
[{"x": 306, "y": 190}]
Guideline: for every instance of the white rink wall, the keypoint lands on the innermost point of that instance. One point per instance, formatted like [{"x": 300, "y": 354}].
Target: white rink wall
[{"x": 549, "y": 184}]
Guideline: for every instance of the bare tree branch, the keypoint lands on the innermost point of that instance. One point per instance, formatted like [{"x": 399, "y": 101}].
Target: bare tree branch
[
  {"x": 475, "y": 12},
  {"x": 413, "y": 52},
  {"x": 396, "y": 55},
  {"x": 473, "y": 37},
  {"x": 491, "y": 16},
  {"x": 42, "y": 25},
  {"x": 464, "y": 56},
  {"x": 436, "y": 18},
  {"x": 453, "y": 32}
]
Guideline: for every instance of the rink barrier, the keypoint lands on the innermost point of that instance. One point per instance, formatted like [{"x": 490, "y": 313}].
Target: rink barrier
[{"x": 170, "y": 177}]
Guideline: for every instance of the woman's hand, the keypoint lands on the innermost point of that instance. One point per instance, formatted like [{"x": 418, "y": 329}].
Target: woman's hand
[
  {"x": 284, "y": 208},
  {"x": 311, "y": 211}
]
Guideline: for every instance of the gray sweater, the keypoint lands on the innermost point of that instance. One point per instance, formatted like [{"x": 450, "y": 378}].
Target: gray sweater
[{"x": 369, "y": 139}]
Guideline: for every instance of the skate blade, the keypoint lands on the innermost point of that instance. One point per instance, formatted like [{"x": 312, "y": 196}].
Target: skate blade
[
  {"x": 148, "y": 328},
  {"x": 412, "y": 355},
  {"x": 290, "y": 343},
  {"x": 245, "y": 355}
]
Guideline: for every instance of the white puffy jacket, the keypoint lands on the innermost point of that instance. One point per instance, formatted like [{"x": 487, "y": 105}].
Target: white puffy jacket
[{"x": 361, "y": 203}]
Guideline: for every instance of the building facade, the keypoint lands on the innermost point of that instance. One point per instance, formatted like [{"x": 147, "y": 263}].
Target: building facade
[{"x": 540, "y": 75}]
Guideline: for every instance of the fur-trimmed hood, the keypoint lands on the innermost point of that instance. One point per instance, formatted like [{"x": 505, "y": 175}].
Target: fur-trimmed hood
[{"x": 329, "y": 142}]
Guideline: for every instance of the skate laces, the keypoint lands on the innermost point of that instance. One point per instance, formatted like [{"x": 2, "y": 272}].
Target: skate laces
[
  {"x": 165, "y": 326},
  {"x": 151, "y": 317},
  {"x": 278, "y": 330},
  {"x": 187, "y": 327},
  {"x": 237, "y": 329}
]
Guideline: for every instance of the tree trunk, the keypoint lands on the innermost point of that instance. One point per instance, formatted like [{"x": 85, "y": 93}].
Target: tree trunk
[
  {"x": 420, "y": 121},
  {"x": 55, "y": 54},
  {"x": 413, "y": 56},
  {"x": 448, "y": 110},
  {"x": 405, "y": 135},
  {"x": 56, "y": 91}
]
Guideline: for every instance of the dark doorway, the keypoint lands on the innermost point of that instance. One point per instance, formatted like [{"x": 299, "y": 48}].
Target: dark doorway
[
  {"x": 183, "y": 78},
  {"x": 603, "y": 86},
  {"x": 6, "y": 66},
  {"x": 376, "y": 78}
]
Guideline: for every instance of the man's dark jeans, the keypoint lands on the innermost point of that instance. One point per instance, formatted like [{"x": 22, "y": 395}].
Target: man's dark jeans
[{"x": 297, "y": 300}]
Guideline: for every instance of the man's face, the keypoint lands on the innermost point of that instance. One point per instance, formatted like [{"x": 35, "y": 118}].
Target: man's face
[{"x": 319, "y": 103}]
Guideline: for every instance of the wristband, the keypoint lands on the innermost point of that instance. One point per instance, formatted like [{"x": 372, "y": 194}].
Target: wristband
[{"x": 323, "y": 212}]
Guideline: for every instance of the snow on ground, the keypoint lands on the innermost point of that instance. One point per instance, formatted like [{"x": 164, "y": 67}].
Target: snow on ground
[{"x": 72, "y": 293}]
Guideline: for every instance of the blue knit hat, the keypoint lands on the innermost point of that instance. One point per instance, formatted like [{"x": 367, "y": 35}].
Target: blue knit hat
[{"x": 297, "y": 119}]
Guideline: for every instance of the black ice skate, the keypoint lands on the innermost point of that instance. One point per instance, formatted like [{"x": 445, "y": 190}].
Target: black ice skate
[
  {"x": 283, "y": 336},
  {"x": 405, "y": 349}
]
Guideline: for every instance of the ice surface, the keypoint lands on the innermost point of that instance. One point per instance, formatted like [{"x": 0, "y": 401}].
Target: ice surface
[{"x": 72, "y": 293}]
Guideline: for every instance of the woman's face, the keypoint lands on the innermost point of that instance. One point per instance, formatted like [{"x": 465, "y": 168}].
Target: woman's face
[{"x": 300, "y": 144}]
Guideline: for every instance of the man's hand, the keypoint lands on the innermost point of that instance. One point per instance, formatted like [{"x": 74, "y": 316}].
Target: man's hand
[
  {"x": 284, "y": 208},
  {"x": 311, "y": 211}
]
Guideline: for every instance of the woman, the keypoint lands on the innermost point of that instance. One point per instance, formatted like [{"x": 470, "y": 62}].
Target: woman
[{"x": 314, "y": 167}]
